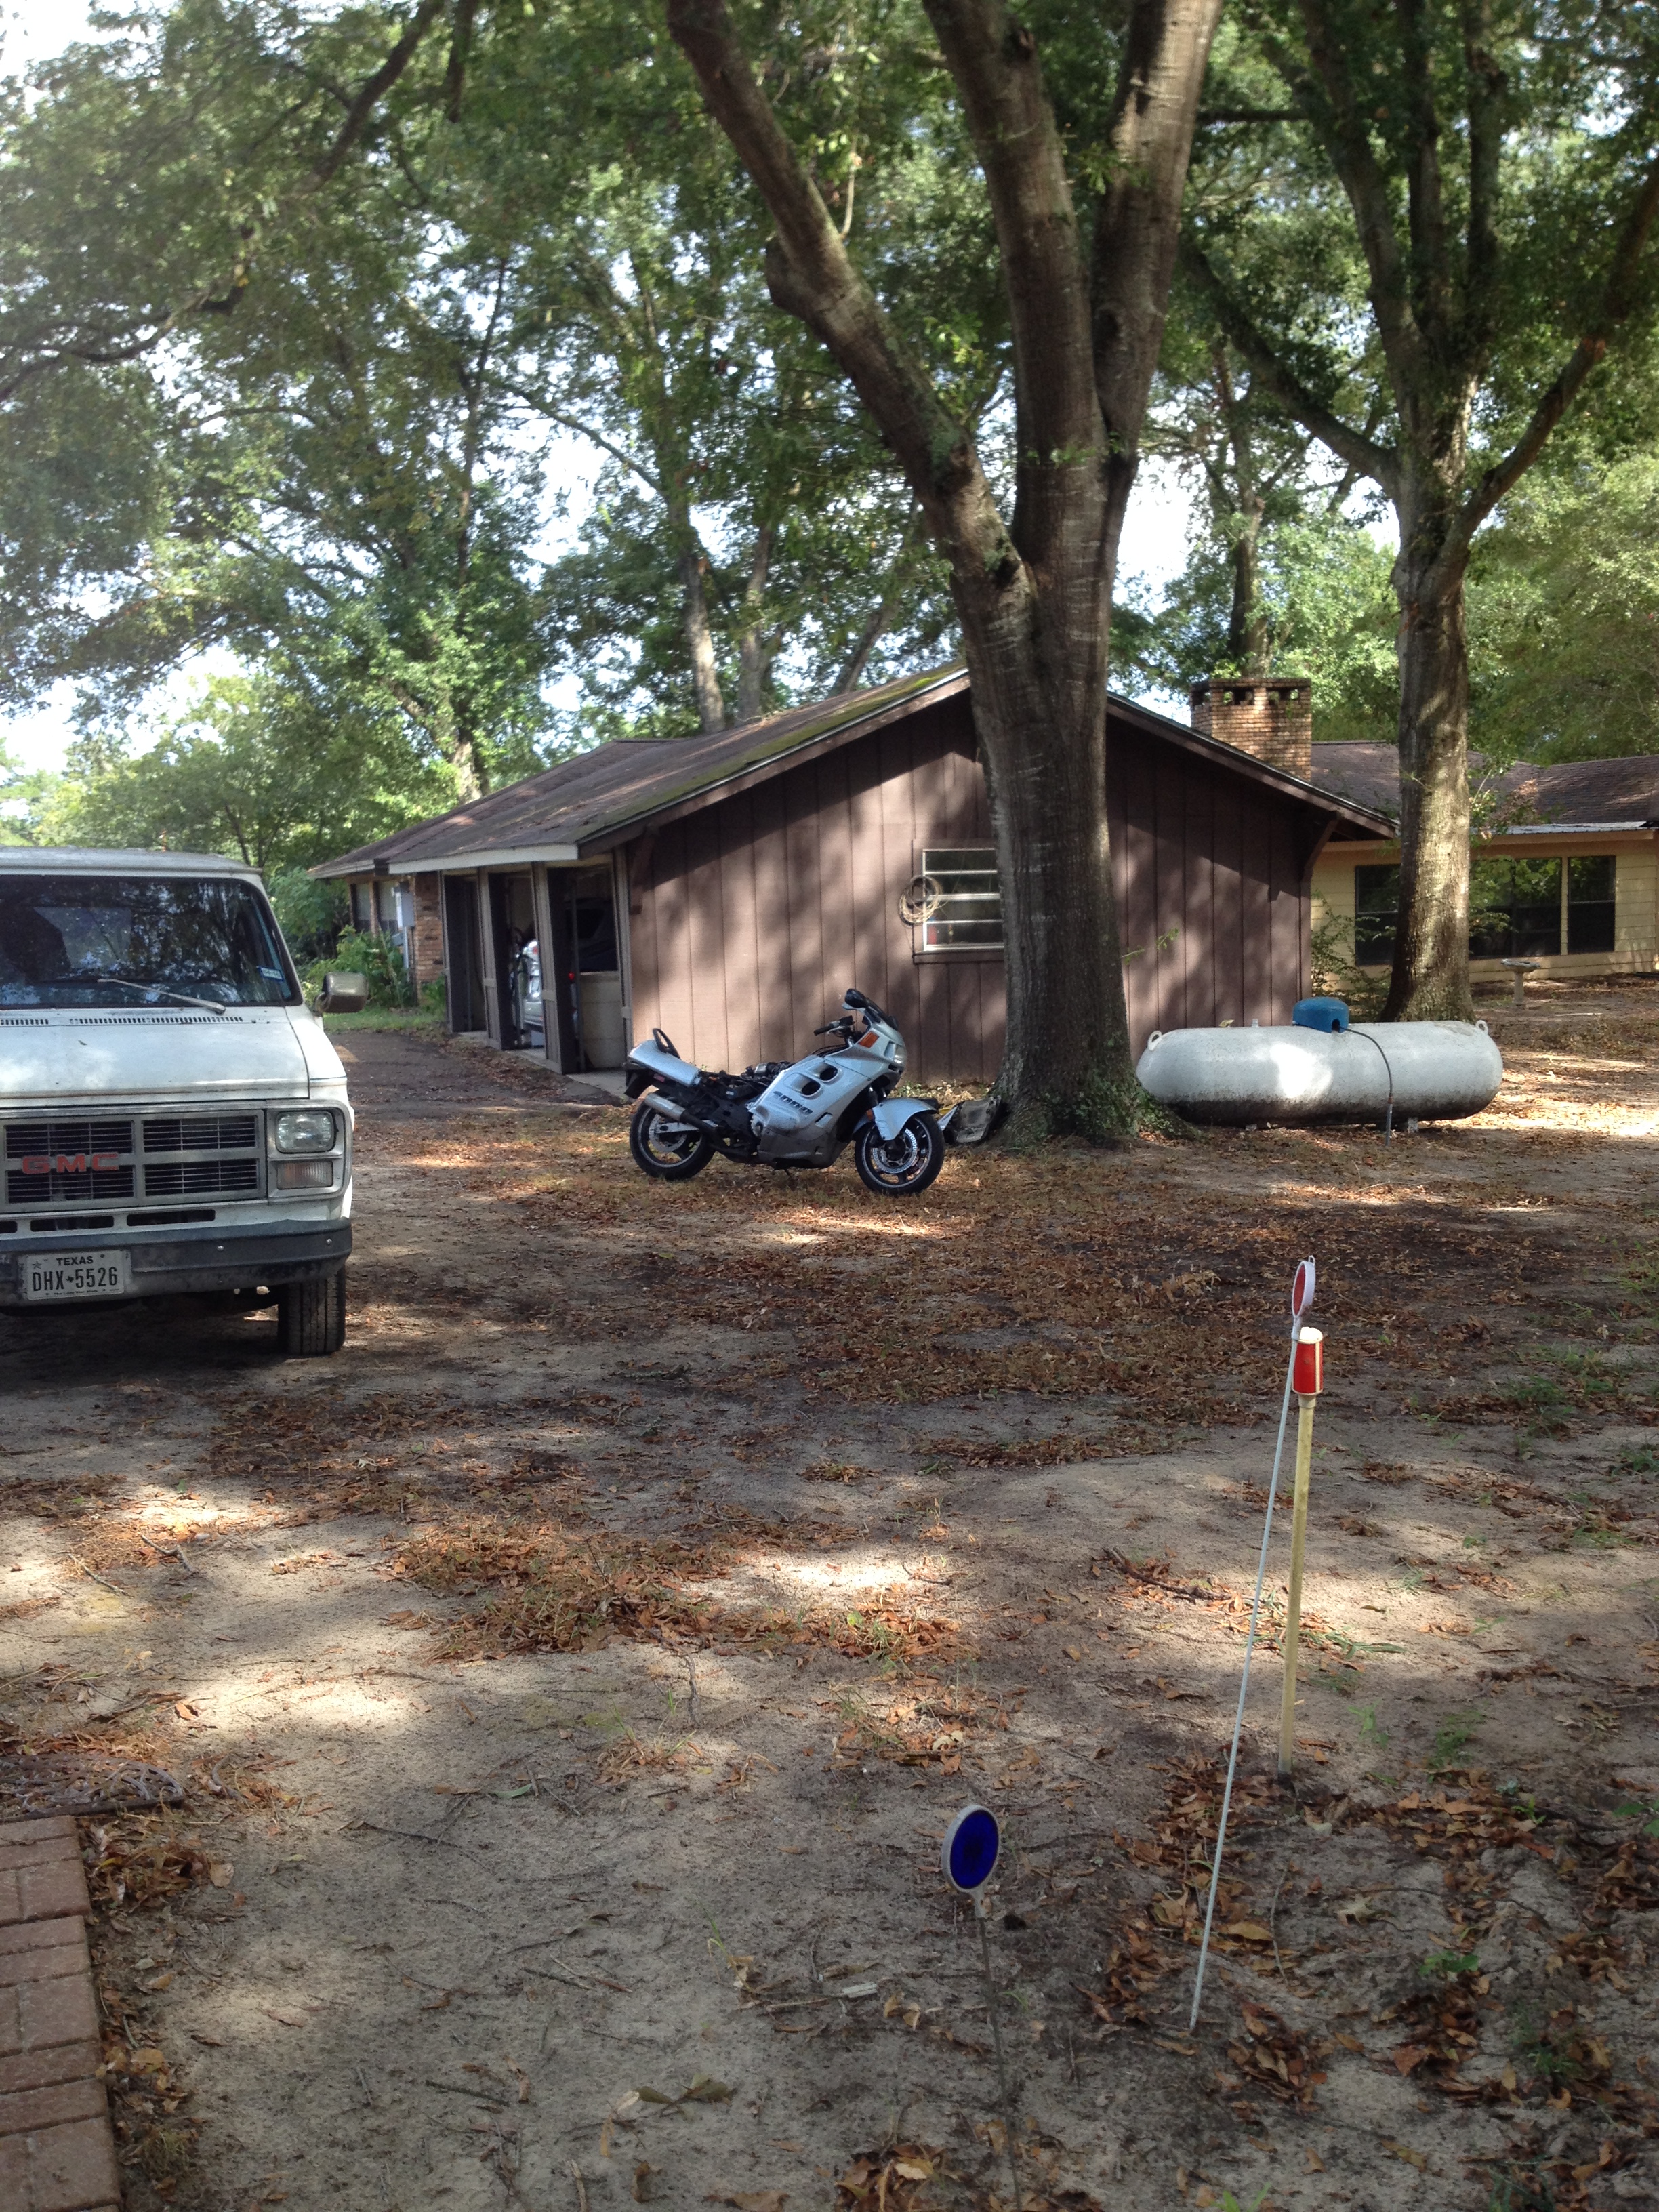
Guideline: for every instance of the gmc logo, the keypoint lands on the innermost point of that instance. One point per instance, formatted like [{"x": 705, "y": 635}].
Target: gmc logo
[{"x": 41, "y": 1164}]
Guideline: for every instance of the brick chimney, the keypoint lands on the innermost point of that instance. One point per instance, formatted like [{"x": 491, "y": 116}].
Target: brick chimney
[{"x": 1271, "y": 716}]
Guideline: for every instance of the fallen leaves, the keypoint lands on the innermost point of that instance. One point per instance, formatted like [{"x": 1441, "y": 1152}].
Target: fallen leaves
[
  {"x": 891, "y": 2180},
  {"x": 142, "y": 1859},
  {"x": 554, "y": 1588},
  {"x": 1273, "y": 2054}
]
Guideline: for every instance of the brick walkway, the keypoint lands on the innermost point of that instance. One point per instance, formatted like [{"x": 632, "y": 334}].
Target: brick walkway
[{"x": 57, "y": 2153}]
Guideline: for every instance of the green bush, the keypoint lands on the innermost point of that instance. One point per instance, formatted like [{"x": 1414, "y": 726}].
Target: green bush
[
  {"x": 1334, "y": 970},
  {"x": 376, "y": 957},
  {"x": 311, "y": 914}
]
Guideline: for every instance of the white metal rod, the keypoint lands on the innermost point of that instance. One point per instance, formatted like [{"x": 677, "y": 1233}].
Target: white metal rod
[{"x": 1245, "y": 1684}]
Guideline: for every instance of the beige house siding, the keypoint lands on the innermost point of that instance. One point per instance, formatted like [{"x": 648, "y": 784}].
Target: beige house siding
[{"x": 1635, "y": 891}]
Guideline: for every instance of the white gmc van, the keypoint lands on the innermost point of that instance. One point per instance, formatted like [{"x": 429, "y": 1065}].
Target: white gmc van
[{"x": 175, "y": 1117}]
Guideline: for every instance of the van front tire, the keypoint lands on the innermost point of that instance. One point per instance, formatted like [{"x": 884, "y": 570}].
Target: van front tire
[{"x": 311, "y": 1316}]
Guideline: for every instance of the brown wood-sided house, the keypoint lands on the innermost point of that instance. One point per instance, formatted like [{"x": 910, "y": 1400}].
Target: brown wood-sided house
[{"x": 727, "y": 889}]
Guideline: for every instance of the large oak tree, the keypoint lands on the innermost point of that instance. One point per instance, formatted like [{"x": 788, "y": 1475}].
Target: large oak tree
[
  {"x": 1086, "y": 288},
  {"x": 1423, "y": 227}
]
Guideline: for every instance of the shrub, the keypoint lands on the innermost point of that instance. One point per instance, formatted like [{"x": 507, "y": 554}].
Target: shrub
[{"x": 379, "y": 959}]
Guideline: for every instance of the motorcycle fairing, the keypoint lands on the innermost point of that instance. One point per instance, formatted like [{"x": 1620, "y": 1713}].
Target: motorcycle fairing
[
  {"x": 892, "y": 1114},
  {"x": 798, "y": 1116}
]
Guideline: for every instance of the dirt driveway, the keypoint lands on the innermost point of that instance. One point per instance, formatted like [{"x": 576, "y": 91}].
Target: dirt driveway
[{"x": 568, "y": 1687}]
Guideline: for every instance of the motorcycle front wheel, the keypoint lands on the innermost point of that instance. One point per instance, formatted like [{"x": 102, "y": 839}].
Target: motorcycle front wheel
[
  {"x": 898, "y": 1167},
  {"x": 671, "y": 1152}
]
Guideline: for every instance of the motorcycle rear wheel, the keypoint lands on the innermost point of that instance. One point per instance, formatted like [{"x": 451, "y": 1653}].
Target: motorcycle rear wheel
[
  {"x": 669, "y": 1155},
  {"x": 900, "y": 1166}
]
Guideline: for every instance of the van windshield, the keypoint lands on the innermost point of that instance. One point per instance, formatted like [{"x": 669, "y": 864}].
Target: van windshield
[{"x": 85, "y": 940}]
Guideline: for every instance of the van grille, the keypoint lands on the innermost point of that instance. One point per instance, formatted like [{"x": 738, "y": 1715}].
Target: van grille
[
  {"x": 174, "y": 1178},
  {"x": 202, "y": 1133},
  {"x": 53, "y": 1160}
]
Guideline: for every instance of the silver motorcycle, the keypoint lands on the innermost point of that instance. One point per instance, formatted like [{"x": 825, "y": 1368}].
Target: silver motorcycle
[{"x": 791, "y": 1114}]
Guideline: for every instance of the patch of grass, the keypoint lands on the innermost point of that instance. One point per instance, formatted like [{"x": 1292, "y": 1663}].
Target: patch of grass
[
  {"x": 1641, "y": 1460},
  {"x": 1454, "y": 1733},
  {"x": 1447, "y": 1966},
  {"x": 1522, "y": 2193},
  {"x": 1371, "y": 1730},
  {"x": 413, "y": 1019}
]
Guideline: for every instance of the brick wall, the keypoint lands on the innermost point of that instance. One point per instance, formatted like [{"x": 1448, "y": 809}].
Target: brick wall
[
  {"x": 429, "y": 930},
  {"x": 1269, "y": 716}
]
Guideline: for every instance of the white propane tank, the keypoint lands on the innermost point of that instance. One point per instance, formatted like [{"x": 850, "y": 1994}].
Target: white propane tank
[{"x": 1427, "y": 1071}]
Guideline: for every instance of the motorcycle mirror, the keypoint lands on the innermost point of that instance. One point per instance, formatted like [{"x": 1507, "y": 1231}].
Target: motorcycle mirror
[{"x": 854, "y": 999}]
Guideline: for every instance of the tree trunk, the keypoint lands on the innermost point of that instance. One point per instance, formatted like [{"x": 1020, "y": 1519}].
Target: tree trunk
[
  {"x": 1040, "y": 711},
  {"x": 754, "y": 653},
  {"x": 699, "y": 638},
  {"x": 1033, "y": 590},
  {"x": 1247, "y": 623},
  {"x": 1430, "y": 978}
]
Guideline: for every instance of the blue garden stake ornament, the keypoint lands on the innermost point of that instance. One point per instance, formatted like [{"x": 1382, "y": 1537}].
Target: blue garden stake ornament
[{"x": 968, "y": 1859}]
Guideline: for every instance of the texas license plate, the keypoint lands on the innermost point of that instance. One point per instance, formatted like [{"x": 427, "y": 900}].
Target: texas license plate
[{"x": 50, "y": 1275}]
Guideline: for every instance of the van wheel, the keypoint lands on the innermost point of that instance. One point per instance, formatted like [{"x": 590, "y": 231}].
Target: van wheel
[{"x": 311, "y": 1316}]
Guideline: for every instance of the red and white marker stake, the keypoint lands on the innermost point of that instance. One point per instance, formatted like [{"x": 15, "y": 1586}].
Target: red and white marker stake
[
  {"x": 1307, "y": 1378},
  {"x": 1305, "y": 1363}
]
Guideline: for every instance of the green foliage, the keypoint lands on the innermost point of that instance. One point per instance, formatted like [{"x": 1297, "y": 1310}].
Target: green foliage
[
  {"x": 1447, "y": 1966},
  {"x": 260, "y": 768},
  {"x": 1456, "y": 1731},
  {"x": 1327, "y": 609},
  {"x": 343, "y": 481},
  {"x": 1564, "y": 615},
  {"x": 1522, "y": 2193},
  {"x": 310, "y": 911},
  {"x": 359, "y": 953},
  {"x": 1648, "y": 1815},
  {"x": 1332, "y": 969}
]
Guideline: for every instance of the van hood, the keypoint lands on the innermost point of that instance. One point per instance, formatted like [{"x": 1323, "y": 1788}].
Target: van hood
[{"x": 152, "y": 1053}]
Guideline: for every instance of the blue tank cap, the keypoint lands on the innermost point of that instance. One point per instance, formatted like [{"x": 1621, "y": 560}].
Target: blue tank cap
[{"x": 1320, "y": 1014}]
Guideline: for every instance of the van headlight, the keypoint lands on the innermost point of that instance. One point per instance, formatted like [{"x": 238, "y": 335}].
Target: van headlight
[{"x": 309, "y": 1132}]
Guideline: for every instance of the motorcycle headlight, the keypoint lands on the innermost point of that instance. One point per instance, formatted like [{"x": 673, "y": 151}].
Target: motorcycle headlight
[{"x": 309, "y": 1132}]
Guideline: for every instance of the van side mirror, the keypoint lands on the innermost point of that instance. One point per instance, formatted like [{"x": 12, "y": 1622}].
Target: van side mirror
[{"x": 343, "y": 993}]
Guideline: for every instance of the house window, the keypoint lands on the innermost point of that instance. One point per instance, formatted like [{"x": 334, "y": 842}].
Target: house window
[
  {"x": 1590, "y": 904},
  {"x": 1515, "y": 909},
  {"x": 361, "y": 895},
  {"x": 1375, "y": 907},
  {"x": 964, "y": 899}
]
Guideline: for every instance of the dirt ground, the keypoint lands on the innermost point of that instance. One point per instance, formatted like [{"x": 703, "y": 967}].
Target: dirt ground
[{"x": 568, "y": 1687}]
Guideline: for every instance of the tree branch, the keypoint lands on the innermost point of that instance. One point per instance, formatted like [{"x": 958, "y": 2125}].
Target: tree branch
[
  {"x": 620, "y": 453},
  {"x": 460, "y": 49},
  {"x": 1208, "y": 117},
  {"x": 994, "y": 62},
  {"x": 1618, "y": 301},
  {"x": 1356, "y": 448},
  {"x": 1425, "y": 200},
  {"x": 1138, "y": 223},
  {"x": 1348, "y": 142},
  {"x": 812, "y": 276},
  {"x": 881, "y": 615},
  {"x": 1487, "y": 85}
]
